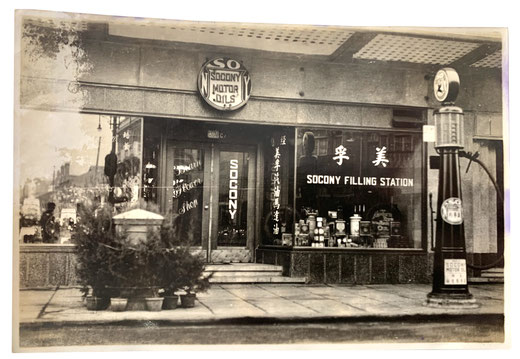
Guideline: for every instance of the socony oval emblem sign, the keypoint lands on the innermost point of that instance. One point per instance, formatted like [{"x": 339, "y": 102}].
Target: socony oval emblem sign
[{"x": 224, "y": 83}]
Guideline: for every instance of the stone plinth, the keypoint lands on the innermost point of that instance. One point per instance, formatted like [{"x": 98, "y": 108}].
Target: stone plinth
[{"x": 136, "y": 224}]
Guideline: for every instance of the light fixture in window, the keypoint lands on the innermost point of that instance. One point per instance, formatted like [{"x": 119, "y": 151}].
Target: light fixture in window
[{"x": 350, "y": 137}]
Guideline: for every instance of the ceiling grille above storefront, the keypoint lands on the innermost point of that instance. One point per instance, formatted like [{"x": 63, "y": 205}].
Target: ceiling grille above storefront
[
  {"x": 423, "y": 46},
  {"x": 59, "y": 23},
  {"x": 492, "y": 61},
  {"x": 414, "y": 49},
  {"x": 307, "y": 40}
]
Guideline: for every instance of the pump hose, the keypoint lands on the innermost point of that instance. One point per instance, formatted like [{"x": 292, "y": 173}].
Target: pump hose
[{"x": 474, "y": 158}]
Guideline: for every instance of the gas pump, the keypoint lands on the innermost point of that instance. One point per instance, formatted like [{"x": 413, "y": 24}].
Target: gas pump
[{"x": 450, "y": 285}]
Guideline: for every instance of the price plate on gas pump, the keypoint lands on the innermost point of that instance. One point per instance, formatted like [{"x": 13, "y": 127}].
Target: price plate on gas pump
[{"x": 455, "y": 272}]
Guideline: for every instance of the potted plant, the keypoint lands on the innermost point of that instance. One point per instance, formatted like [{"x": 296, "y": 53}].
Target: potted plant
[
  {"x": 114, "y": 270},
  {"x": 118, "y": 304},
  {"x": 93, "y": 235},
  {"x": 170, "y": 277},
  {"x": 191, "y": 277},
  {"x": 138, "y": 269}
]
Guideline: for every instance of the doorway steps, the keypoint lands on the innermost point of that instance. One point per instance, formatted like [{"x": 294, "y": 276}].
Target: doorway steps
[
  {"x": 248, "y": 273},
  {"x": 493, "y": 275}
]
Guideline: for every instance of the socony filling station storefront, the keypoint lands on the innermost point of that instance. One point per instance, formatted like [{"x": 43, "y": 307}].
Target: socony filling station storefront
[{"x": 311, "y": 161}]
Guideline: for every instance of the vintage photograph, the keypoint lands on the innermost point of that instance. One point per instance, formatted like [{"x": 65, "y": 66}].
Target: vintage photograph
[{"x": 221, "y": 183}]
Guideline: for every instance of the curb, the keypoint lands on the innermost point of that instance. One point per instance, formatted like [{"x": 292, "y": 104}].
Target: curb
[{"x": 410, "y": 318}]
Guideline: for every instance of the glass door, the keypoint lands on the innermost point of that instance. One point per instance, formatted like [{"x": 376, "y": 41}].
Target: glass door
[
  {"x": 233, "y": 230},
  {"x": 187, "y": 191},
  {"x": 210, "y": 191}
]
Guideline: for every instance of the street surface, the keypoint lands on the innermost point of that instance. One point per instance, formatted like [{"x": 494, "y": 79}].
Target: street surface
[{"x": 301, "y": 333}]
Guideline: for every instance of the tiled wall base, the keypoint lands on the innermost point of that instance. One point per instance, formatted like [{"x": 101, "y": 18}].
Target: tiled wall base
[
  {"x": 351, "y": 267},
  {"x": 46, "y": 266}
]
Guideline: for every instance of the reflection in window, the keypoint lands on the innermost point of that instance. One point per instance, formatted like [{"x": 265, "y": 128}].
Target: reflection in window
[
  {"x": 62, "y": 166},
  {"x": 127, "y": 178},
  {"x": 185, "y": 191}
]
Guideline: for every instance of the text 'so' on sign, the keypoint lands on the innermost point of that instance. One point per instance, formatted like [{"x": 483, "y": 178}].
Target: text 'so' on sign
[{"x": 224, "y": 83}]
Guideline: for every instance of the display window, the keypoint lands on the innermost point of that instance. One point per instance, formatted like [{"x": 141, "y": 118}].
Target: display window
[{"x": 358, "y": 189}]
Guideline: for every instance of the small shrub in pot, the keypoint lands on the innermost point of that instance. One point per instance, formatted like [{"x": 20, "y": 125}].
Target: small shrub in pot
[
  {"x": 191, "y": 276},
  {"x": 94, "y": 236}
]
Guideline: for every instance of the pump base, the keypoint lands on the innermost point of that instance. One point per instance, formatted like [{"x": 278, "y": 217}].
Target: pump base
[{"x": 451, "y": 301}]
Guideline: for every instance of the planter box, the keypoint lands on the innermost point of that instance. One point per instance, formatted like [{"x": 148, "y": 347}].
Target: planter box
[
  {"x": 170, "y": 302},
  {"x": 188, "y": 300},
  {"x": 97, "y": 303},
  {"x": 118, "y": 304},
  {"x": 154, "y": 304},
  {"x": 136, "y": 297}
]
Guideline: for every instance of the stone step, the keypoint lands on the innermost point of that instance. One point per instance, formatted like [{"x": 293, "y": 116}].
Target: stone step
[
  {"x": 245, "y": 274},
  {"x": 256, "y": 279},
  {"x": 491, "y": 275},
  {"x": 494, "y": 270},
  {"x": 243, "y": 267},
  {"x": 476, "y": 280}
]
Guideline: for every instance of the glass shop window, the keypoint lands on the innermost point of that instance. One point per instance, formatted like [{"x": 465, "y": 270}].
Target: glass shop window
[
  {"x": 277, "y": 216},
  {"x": 127, "y": 179},
  {"x": 358, "y": 189},
  {"x": 61, "y": 166},
  {"x": 151, "y": 151}
]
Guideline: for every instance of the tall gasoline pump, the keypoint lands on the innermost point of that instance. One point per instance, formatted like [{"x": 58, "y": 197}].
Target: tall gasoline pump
[{"x": 450, "y": 284}]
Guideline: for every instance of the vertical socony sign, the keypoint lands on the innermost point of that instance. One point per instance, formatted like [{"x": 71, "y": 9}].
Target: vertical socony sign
[
  {"x": 232, "y": 199},
  {"x": 233, "y": 188},
  {"x": 224, "y": 84}
]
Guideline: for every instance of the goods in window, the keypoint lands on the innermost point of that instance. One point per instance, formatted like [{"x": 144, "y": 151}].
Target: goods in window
[{"x": 354, "y": 224}]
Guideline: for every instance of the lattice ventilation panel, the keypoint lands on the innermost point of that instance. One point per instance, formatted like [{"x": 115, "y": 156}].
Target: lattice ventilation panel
[
  {"x": 491, "y": 61},
  {"x": 414, "y": 49},
  {"x": 312, "y": 40}
]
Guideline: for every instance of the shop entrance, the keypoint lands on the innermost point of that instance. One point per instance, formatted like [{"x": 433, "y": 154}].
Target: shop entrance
[{"x": 210, "y": 190}]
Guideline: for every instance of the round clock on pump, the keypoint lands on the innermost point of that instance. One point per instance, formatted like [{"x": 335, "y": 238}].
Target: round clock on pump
[{"x": 446, "y": 85}]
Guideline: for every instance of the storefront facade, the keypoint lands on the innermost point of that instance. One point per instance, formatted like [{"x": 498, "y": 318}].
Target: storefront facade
[{"x": 306, "y": 156}]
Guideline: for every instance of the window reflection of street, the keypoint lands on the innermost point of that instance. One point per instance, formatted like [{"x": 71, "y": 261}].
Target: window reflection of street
[{"x": 67, "y": 171}]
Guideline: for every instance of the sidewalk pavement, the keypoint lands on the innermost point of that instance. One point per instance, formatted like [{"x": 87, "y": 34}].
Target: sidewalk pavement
[{"x": 270, "y": 302}]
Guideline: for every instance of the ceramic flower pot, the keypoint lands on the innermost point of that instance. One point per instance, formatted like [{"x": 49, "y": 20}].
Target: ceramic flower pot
[
  {"x": 188, "y": 300},
  {"x": 170, "y": 301},
  {"x": 118, "y": 304},
  {"x": 97, "y": 303},
  {"x": 154, "y": 304}
]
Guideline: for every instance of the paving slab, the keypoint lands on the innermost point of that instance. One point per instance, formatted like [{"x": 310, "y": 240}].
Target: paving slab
[
  {"x": 32, "y": 302},
  {"x": 328, "y": 307},
  {"x": 284, "y": 290},
  {"x": 230, "y": 308},
  {"x": 282, "y": 308},
  {"x": 251, "y": 292},
  {"x": 389, "y": 298},
  {"x": 369, "y": 305},
  {"x": 289, "y": 301}
]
